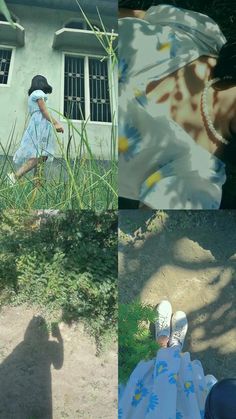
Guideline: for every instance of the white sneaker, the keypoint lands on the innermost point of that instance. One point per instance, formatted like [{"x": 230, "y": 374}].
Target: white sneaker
[
  {"x": 179, "y": 327},
  {"x": 11, "y": 178},
  {"x": 164, "y": 313}
]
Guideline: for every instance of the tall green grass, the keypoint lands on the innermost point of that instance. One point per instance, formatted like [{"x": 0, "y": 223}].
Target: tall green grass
[{"x": 81, "y": 180}]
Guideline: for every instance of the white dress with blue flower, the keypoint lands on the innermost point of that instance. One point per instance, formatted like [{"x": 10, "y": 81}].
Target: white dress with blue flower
[
  {"x": 160, "y": 164},
  {"x": 38, "y": 139},
  {"x": 170, "y": 386}
]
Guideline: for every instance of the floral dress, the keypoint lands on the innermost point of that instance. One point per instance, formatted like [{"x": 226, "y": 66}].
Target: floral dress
[
  {"x": 38, "y": 139},
  {"x": 160, "y": 164},
  {"x": 170, "y": 386}
]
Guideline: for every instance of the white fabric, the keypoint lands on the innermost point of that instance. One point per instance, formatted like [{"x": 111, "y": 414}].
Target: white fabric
[
  {"x": 159, "y": 163},
  {"x": 170, "y": 386}
]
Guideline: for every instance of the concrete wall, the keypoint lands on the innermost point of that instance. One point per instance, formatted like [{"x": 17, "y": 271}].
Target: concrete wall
[{"x": 38, "y": 57}]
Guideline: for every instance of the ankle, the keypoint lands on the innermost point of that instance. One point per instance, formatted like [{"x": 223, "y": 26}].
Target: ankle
[{"x": 163, "y": 341}]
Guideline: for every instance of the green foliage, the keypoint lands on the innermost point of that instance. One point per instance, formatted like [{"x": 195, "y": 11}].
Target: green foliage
[
  {"x": 79, "y": 180},
  {"x": 64, "y": 262},
  {"x": 135, "y": 339}
]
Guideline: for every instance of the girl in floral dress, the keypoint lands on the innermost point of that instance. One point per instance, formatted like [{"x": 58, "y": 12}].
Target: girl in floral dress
[
  {"x": 38, "y": 143},
  {"x": 170, "y": 386}
]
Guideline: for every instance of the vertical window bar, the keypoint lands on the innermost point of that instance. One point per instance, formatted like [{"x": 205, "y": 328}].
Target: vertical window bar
[
  {"x": 5, "y": 61},
  {"x": 100, "y": 108},
  {"x": 74, "y": 100}
]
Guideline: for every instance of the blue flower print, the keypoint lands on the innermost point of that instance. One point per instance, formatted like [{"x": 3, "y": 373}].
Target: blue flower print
[
  {"x": 122, "y": 70},
  {"x": 177, "y": 354},
  {"x": 170, "y": 46},
  {"x": 188, "y": 387},
  {"x": 139, "y": 393},
  {"x": 140, "y": 97},
  {"x": 173, "y": 378},
  {"x": 190, "y": 367},
  {"x": 129, "y": 141},
  {"x": 120, "y": 413},
  {"x": 161, "y": 368},
  {"x": 153, "y": 402},
  {"x": 150, "y": 183},
  {"x": 174, "y": 45},
  {"x": 179, "y": 415}
]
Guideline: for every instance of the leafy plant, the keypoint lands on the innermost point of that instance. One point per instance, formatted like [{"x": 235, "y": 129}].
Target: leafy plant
[
  {"x": 63, "y": 262},
  {"x": 135, "y": 339}
]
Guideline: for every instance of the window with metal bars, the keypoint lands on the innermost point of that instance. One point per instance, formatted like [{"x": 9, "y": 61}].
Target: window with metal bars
[
  {"x": 86, "y": 89},
  {"x": 5, "y": 61}
]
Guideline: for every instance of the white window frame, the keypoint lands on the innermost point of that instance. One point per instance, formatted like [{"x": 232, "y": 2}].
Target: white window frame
[
  {"x": 9, "y": 79},
  {"x": 86, "y": 87}
]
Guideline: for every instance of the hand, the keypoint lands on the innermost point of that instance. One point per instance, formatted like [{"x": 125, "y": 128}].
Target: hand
[
  {"x": 56, "y": 332},
  {"x": 59, "y": 127}
]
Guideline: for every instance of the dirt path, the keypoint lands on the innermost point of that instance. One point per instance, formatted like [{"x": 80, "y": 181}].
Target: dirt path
[
  {"x": 189, "y": 258},
  {"x": 46, "y": 377}
]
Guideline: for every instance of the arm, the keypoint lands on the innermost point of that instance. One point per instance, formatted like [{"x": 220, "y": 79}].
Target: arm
[
  {"x": 47, "y": 115},
  {"x": 57, "y": 348}
]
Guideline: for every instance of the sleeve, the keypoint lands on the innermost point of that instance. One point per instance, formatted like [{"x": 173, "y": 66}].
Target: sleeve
[{"x": 38, "y": 94}]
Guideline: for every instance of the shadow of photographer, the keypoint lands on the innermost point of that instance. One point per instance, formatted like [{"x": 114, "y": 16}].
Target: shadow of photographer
[{"x": 25, "y": 375}]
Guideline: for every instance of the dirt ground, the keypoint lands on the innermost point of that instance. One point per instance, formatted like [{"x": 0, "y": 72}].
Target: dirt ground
[
  {"x": 190, "y": 259},
  {"x": 53, "y": 377}
]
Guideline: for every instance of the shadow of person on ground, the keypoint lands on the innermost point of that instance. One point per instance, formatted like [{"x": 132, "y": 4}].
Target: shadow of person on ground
[{"x": 25, "y": 375}]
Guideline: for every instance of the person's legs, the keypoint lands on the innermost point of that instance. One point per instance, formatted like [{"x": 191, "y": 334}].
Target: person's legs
[
  {"x": 162, "y": 326},
  {"x": 26, "y": 167},
  {"x": 29, "y": 165}
]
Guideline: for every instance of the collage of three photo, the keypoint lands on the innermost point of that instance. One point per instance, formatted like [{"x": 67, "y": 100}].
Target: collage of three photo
[{"x": 117, "y": 209}]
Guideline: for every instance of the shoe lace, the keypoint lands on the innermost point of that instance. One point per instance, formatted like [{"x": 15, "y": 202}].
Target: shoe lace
[
  {"x": 177, "y": 335},
  {"x": 162, "y": 322}
]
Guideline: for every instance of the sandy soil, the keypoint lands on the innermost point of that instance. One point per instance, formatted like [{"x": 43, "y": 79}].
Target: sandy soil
[
  {"x": 189, "y": 258},
  {"x": 53, "y": 377}
]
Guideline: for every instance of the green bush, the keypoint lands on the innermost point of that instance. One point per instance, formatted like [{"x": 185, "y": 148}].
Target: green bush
[
  {"x": 136, "y": 342},
  {"x": 65, "y": 262}
]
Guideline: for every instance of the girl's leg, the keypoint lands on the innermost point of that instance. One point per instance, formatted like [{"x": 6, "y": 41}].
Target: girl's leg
[
  {"x": 162, "y": 326},
  {"x": 163, "y": 341},
  {"x": 26, "y": 167},
  {"x": 29, "y": 165}
]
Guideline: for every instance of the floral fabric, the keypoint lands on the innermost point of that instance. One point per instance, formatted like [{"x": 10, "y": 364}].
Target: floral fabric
[
  {"x": 159, "y": 162},
  {"x": 171, "y": 386}
]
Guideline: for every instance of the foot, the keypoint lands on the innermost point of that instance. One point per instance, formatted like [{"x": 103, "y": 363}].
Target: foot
[
  {"x": 162, "y": 326},
  {"x": 11, "y": 178},
  {"x": 179, "y": 327}
]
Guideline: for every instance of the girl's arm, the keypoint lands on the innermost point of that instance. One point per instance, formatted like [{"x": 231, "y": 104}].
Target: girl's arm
[{"x": 47, "y": 115}]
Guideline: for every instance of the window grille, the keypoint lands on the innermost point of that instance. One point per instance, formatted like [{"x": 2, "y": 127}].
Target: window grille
[
  {"x": 86, "y": 89},
  {"x": 74, "y": 96},
  {"x": 5, "y": 60},
  {"x": 99, "y": 91}
]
